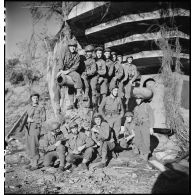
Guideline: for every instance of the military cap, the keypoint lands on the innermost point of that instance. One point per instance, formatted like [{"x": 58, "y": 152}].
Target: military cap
[
  {"x": 98, "y": 49},
  {"x": 97, "y": 115},
  {"x": 119, "y": 55},
  {"x": 72, "y": 43},
  {"x": 113, "y": 53},
  {"x": 129, "y": 57},
  {"x": 113, "y": 87},
  {"x": 54, "y": 125},
  {"x": 89, "y": 48},
  {"x": 128, "y": 114},
  {"x": 34, "y": 94},
  {"x": 73, "y": 125},
  {"x": 107, "y": 50}
]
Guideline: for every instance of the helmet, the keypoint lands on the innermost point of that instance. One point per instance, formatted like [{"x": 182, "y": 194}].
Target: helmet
[
  {"x": 97, "y": 115},
  {"x": 34, "y": 94},
  {"x": 113, "y": 53},
  {"x": 89, "y": 48},
  {"x": 73, "y": 125},
  {"x": 128, "y": 114},
  {"x": 107, "y": 50},
  {"x": 72, "y": 43},
  {"x": 98, "y": 49},
  {"x": 113, "y": 87}
]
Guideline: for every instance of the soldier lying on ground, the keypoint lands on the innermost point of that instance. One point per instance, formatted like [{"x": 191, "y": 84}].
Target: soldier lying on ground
[
  {"x": 112, "y": 111},
  {"x": 80, "y": 147},
  {"x": 36, "y": 115},
  {"x": 54, "y": 147},
  {"x": 103, "y": 137},
  {"x": 144, "y": 123}
]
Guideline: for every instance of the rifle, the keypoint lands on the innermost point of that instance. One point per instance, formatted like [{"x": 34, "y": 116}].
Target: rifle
[{"x": 22, "y": 120}]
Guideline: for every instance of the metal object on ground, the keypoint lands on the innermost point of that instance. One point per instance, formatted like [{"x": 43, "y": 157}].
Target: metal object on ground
[
  {"x": 142, "y": 92},
  {"x": 65, "y": 80}
]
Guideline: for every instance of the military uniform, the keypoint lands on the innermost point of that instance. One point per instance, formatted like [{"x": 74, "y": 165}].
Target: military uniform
[
  {"x": 52, "y": 151},
  {"x": 144, "y": 120},
  {"x": 130, "y": 75},
  {"x": 38, "y": 114},
  {"x": 104, "y": 135},
  {"x": 112, "y": 110},
  {"x": 75, "y": 141}
]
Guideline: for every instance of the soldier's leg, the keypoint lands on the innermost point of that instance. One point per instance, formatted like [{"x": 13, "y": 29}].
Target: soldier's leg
[
  {"x": 86, "y": 83},
  {"x": 61, "y": 150},
  {"x": 104, "y": 88},
  {"x": 106, "y": 148},
  {"x": 120, "y": 90},
  {"x": 117, "y": 126},
  {"x": 145, "y": 132},
  {"x": 72, "y": 158},
  {"x": 87, "y": 155},
  {"x": 56, "y": 97},
  {"x": 27, "y": 138},
  {"x": 123, "y": 143},
  {"x": 138, "y": 138},
  {"x": 93, "y": 84},
  {"x": 128, "y": 92},
  {"x": 112, "y": 83},
  {"x": 49, "y": 158}
]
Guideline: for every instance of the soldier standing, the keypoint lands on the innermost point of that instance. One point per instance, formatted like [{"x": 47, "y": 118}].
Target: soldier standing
[
  {"x": 90, "y": 75},
  {"x": 70, "y": 60},
  {"x": 103, "y": 137},
  {"x": 36, "y": 115},
  {"x": 112, "y": 111},
  {"x": 109, "y": 64},
  {"x": 80, "y": 147},
  {"x": 54, "y": 147},
  {"x": 102, "y": 71},
  {"x": 130, "y": 76},
  {"x": 144, "y": 123}
]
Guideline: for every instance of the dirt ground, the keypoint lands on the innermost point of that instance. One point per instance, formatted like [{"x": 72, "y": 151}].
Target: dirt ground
[{"x": 125, "y": 174}]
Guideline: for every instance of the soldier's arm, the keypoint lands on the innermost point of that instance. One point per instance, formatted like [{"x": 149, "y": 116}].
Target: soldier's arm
[
  {"x": 111, "y": 70},
  {"x": 135, "y": 73},
  {"x": 101, "y": 107},
  {"x": 93, "y": 69},
  {"x": 103, "y": 70},
  {"x": 122, "y": 108},
  {"x": 151, "y": 115},
  {"x": 76, "y": 62}
]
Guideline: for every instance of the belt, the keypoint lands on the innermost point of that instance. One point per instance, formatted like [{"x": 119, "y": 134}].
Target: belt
[{"x": 112, "y": 114}]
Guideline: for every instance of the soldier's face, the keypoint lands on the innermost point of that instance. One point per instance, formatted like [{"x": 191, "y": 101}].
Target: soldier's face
[
  {"x": 75, "y": 130},
  {"x": 89, "y": 54},
  {"x": 97, "y": 121},
  {"x": 114, "y": 58},
  {"x": 138, "y": 101},
  {"x": 129, "y": 119},
  {"x": 72, "y": 48},
  {"x": 115, "y": 92},
  {"x": 129, "y": 60},
  {"x": 107, "y": 54},
  {"x": 120, "y": 59},
  {"x": 35, "y": 99},
  {"x": 99, "y": 54}
]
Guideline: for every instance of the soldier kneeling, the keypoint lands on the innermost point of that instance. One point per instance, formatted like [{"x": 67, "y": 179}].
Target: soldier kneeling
[{"x": 53, "y": 146}]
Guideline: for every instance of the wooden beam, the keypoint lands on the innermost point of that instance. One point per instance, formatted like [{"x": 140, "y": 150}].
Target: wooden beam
[
  {"x": 146, "y": 37},
  {"x": 137, "y": 17},
  {"x": 84, "y": 7},
  {"x": 154, "y": 54}
]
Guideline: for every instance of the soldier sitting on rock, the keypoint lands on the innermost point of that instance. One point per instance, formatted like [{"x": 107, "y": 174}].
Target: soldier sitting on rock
[
  {"x": 128, "y": 133},
  {"x": 80, "y": 147},
  {"x": 54, "y": 146},
  {"x": 103, "y": 137}
]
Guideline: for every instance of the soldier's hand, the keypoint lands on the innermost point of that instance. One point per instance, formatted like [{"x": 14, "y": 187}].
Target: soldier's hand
[
  {"x": 59, "y": 73},
  {"x": 151, "y": 131},
  {"x": 30, "y": 120},
  {"x": 58, "y": 143},
  {"x": 98, "y": 143}
]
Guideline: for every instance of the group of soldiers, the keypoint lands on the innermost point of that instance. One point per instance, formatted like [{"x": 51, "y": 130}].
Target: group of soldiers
[{"x": 71, "y": 145}]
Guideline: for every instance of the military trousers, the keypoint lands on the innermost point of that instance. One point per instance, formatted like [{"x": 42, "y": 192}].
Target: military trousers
[
  {"x": 59, "y": 153},
  {"x": 104, "y": 86},
  {"x": 114, "y": 122},
  {"x": 32, "y": 143},
  {"x": 87, "y": 155},
  {"x": 105, "y": 149},
  {"x": 142, "y": 137},
  {"x": 128, "y": 90}
]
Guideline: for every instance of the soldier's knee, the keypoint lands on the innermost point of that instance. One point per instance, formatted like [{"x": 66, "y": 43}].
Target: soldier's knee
[
  {"x": 89, "y": 150},
  {"x": 69, "y": 158}
]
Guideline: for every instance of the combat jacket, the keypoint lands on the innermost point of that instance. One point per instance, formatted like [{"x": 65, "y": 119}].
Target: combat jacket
[
  {"x": 101, "y": 67},
  {"x": 75, "y": 141},
  {"x": 130, "y": 71},
  {"x": 110, "y": 67},
  {"x": 90, "y": 67},
  {"x": 49, "y": 141},
  {"x": 143, "y": 113},
  {"x": 38, "y": 114},
  {"x": 118, "y": 70},
  {"x": 111, "y": 106}
]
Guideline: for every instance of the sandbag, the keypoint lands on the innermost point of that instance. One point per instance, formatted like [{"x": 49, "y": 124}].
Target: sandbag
[
  {"x": 65, "y": 80},
  {"x": 142, "y": 92}
]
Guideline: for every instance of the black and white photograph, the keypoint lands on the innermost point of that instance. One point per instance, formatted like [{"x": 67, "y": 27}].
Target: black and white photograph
[{"x": 97, "y": 97}]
